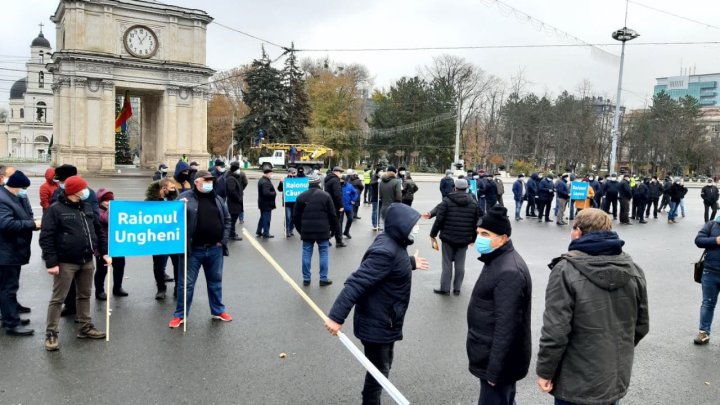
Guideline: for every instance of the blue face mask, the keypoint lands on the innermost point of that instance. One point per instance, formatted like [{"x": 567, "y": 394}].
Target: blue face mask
[
  {"x": 22, "y": 193},
  {"x": 62, "y": 186},
  {"x": 483, "y": 245},
  {"x": 85, "y": 194},
  {"x": 207, "y": 187}
]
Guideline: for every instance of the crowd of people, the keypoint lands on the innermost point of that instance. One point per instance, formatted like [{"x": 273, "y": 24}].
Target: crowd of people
[{"x": 471, "y": 213}]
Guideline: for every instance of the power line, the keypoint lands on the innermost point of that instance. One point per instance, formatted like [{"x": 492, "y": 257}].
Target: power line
[
  {"x": 250, "y": 35},
  {"x": 706, "y": 25}
]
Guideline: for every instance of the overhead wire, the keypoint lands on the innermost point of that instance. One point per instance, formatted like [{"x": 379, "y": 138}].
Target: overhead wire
[{"x": 704, "y": 24}]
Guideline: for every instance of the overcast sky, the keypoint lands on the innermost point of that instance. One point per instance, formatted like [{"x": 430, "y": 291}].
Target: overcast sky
[{"x": 323, "y": 24}]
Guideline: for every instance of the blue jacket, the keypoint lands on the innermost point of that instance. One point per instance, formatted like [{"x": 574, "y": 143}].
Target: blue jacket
[
  {"x": 706, "y": 239},
  {"x": 16, "y": 228},
  {"x": 518, "y": 190},
  {"x": 545, "y": 190},
  {"x": 447, "y": 185},
  {"x": 185, "y": 180},
  {"x": 561, "y": 188},
  {"x": 220, "y": 184},
  {"x": 532, "y": 185},
  {"x": 192, "y": 218},
  {"x": 380, "y": 288},
  {"x": 350, "y": 197}
]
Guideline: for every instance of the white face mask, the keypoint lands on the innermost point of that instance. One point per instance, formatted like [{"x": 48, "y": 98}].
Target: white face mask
[
  {"x": 414, "y": 233},
  {"x": 221, "y": 169}
]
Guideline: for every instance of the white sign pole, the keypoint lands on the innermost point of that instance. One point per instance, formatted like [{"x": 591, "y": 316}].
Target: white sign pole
[
  {"x": 185, "y": 273},
  {"x": 108, "y": 276}
]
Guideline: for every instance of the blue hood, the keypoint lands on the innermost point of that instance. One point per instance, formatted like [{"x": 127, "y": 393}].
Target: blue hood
[
  {"x": 180, "y": 167},
  {"x": 535, "y": 176},
  {"x": 603, "y": 243},
  {"x": 399, "y": 222}
]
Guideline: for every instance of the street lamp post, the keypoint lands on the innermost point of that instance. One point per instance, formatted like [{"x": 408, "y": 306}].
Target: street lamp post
[{"x": 624, "y": 34}]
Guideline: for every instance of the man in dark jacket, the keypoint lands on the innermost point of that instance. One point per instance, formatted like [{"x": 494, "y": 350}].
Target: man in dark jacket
[
  {"x": 490, "y": 191},
  {"x": 675, "y": 195},
  {"x": 625, "y": 195},
  {"x": 161, "y": 172},
  {"x": 655, "y": 192},
  {"x": 266, "y": 203},
  {"x": 208, "y": 230},
  {"x": 390, "y": 189},
  {"x": 611, "y": 191},
  {"x": 532, "y": 193},
  {"x": 519, "y": 190},
  {"x": 289, "y": 206},
  {"x": 447, "y": 184},
  {"x": 642, "y": 197},
  {"x": 457, "y": 215},
  {"x": 710, "y": 197},
  {"x": 709, "y": 239},
  {"x": 71, "y": 235},
  {"x": 596, "y": 312},
  {"x": 183, "y": 175},
  {"x": 546, "y": 192},
  {"x": 334, "y": 188},
  {"x": 380, "y": 292},
  {"x": 665, "y": 202},
  {"x": 374, "y": 198},
  {"x": 163, "y": 190},
  {"x": 16, "y": 228},
  {"x": 563, "y": 196},
  {"x": 314, "y": 217},
  {"x": 235, "y": 183},
  {"x": 597, "y": 188},
  {"x": 220, "y": 184},
  {"x": 498, "y": 316}
]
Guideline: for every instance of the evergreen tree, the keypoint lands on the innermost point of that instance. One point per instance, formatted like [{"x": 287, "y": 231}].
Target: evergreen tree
[
  {"x": 298, "y": 107},
  {"x": 122, "y": 144},
  {"x": 265, "y": 96}
]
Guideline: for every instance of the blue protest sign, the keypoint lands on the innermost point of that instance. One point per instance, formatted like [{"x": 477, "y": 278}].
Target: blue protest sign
[
  {"x": 144, "y": 228},
  {"x": 473, "y": 187},
  {"x": 293, "y": 187},
  {"x": 578, "y": 190}
]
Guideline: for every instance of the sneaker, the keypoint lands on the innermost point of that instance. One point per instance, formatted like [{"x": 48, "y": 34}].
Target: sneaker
[
  {"x": 176, "y": 322},
  {"x": 224, "y": 316},
  {"x": 51, "y": 341},
  {"x": 90, "y": 332},
  {"x": 702, "y": 338}
]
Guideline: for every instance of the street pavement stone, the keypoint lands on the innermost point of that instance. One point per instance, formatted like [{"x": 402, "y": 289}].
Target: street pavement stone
[{"x": 145, "y": 362}]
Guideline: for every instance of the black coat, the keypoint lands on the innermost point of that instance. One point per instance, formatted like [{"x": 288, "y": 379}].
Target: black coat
[
  {"x": 71, "y": 233},
  {"x": 193, "y": 215},
  {"x": 380, "y": 288},
  {"x": 499, "y": 343},
  {"x": 709, "y": 194},
  {"x": 546, "y": 190},
  {"x": 532, "y": 187},
  {"x": 314, "y": 214},
  {"x": 655, "y": 190},
  {"x": 235, "y": 184},
  {"x": 707, "y": 239},
  {"x": 562, "y": 190},
  {"x": 447, "y": 184},
  {"x": 625, "y": 191},
  {"x": 457, "y": 216},
  {"x": 676, "y": 193},
  {"x": 642, "y": 193},
  {"x": 16, "y": 228},
  {"x": 266, "y": 194},
  {"x": 334, "y": 188},
  {"x": 220, "y": 183}
]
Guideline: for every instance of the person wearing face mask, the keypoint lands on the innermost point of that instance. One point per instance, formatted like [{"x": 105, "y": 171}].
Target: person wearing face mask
[
  {"x": 675, "y": 196},
  {"x": 62, "y": 173},
  {"x": 455, "y": 221},
  {"x": 118, "y": 270},
  {"x": 163, "y": 190},
  {"x": 610, "y": 191},
  {"x": 289, "y": 206},
  {"x": 182, "y": 176},
  {"x": 48, "y": 188},
  {"x": 194, "y": 167},
  {"x": 655, "y": 192},
  {"x": 161, "y": 172},
  {"x": 546, "y": 192},
  {"x": 596, "y": 312},
  {"x": 16, "y": 228},
  {"x": 498, "y": 340},
  {"x": 380, "y": 292},
  {"x": 220, "y": 185},
  {"x": 266, "y": 204},
  {"x": 563, "y": 196},
  {"x": 710, "y": 195},
  {"x": 665, "y": 202},
  {"x": 236, "y": 182},
  {"x": 71, "y": 236},
  {"x": 208, "y": 230}
]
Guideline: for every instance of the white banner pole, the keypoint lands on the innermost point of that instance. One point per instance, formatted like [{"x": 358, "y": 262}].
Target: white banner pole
[
  {"x": 379, "y": 377},
  {"x": 185, "y": 272},
  {"x": 108, "y": 276}
]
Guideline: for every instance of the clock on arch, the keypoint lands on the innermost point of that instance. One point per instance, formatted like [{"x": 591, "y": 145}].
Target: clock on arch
[{"x": 140, "y": 41}]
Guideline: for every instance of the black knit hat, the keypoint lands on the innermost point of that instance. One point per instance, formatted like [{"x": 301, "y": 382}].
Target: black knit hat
[
  {"x": 64, "y": 171},
  {"x": 18, "y": 180},
  {"x": 496, "y": 221}
]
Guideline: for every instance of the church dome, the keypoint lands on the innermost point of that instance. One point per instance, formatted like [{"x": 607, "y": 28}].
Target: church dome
[
  {"x": 18, "y": 89},
  {"x": 41, "y": 41}
]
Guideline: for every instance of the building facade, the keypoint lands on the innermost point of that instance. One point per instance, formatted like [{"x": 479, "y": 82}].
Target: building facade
[
  {"x": 29, "y": 125},
  {"x": 704, "y": 88}
]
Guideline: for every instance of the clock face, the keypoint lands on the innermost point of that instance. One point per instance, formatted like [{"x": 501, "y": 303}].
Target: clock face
[{"x": 140, "y": 41}]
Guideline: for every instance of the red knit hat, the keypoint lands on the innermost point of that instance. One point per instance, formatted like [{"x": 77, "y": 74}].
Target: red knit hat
[{"x": 74, "y": 185}]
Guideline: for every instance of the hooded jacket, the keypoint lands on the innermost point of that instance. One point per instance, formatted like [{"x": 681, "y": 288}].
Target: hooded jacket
[
  {"x": 47, "y": 189},
  {"x": 184, "y": 181},
  {"x": 532, "y": 185},
  {"x": 456, "y": 217},
  {"x": 16, "y": 228},
  {"x": 380, "y": 288},
  {"x": 499, "y": 341},
  {"x": 220, "y": 183},
  {"x": 314, "y": 214},
  {"x": 596, "y": 312},
  {"x": 562, "y": 190},
  {"x": 447, "y": 184}
]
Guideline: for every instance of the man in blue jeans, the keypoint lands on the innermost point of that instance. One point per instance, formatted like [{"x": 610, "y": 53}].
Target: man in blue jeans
[
  {"x": 314, "y": 217},
  {"x": 208, "y": 230},
  {"x": 289, "y": 206},
  {"x": 709, "y": 239},
  {"x": 266, "y": 203}
]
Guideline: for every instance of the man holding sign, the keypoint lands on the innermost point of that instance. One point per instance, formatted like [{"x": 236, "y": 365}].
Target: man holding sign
[{"x": 208, "y": 230}]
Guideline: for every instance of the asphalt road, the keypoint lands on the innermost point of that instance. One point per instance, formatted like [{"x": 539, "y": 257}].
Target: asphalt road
[{"x": 220, "y": 363}]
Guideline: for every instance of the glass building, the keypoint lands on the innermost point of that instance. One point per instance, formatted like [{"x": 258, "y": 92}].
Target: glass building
[{"x": 702, "y": 87}]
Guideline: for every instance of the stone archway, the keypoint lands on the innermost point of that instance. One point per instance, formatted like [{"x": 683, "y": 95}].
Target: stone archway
[{"x": 153, "y": 51}]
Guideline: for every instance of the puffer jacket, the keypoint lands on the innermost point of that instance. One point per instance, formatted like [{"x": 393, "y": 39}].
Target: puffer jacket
[
  {"x": 390, "y": 190},
  {"x": 16, "y": 228},
  {"x": 314, "y": 214},
  {"x": 47, "y": 189},
  {"x": 266, "y": 194},
  {"x": 611, "y": 189},
  {"x": 457, "y": 216},
  {"x": 596, "y": 312},
  {"x": 707, "y": 239},
  {"x": 499, "y": 341},
  {"x": 351, "y": 197},
  {"x": 71, "y": 233},
  {"x": 380, "y": 288}
]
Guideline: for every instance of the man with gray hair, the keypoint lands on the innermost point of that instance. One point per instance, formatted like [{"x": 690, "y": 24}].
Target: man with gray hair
[
  {"x": 457, "y": 215},
  {"x": 447, "y": 184}
]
